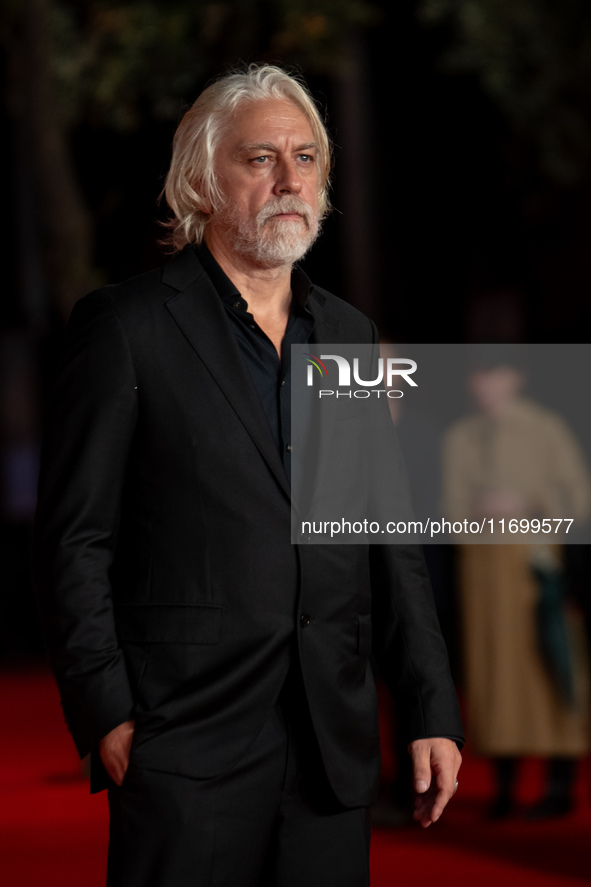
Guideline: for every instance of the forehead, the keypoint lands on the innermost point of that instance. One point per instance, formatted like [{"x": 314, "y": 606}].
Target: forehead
[{"x": 268, "y": 119}]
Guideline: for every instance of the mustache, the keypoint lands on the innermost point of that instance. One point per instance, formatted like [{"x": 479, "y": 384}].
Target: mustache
[{"x": 287, "y": 204}]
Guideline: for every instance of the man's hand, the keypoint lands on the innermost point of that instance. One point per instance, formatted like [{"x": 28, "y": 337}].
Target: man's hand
[
  {"x": 114, "y": 750},
  {"x": 435, "y": 764}
]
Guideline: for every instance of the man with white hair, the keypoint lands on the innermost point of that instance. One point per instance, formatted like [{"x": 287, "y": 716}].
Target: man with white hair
[{"x": 219, "y": 674}]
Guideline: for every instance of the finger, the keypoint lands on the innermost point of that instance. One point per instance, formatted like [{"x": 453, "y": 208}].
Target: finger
[
  {"x": 424, "y": 805},
  {"x": 446, "y": 781},
  {"x": 430, "y": 806},
  {"x": 424, "y": 815},
  {"x": 439, "y": 805},
  {"x": 421, "y": 765},
  {"x": 442, "y": 799}
]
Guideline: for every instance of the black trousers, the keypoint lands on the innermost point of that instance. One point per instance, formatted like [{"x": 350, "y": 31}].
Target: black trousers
[{"x": 272, "y": 821}]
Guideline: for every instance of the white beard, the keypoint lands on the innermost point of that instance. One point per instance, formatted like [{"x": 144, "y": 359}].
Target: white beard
[{"x": 273, "y": 242}]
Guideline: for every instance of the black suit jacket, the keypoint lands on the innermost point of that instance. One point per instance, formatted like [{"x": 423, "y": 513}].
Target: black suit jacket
[{"x": 167, "y": 583}]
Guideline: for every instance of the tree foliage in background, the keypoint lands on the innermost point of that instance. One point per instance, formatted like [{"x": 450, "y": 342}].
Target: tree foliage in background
[
  {"x": 116, "y": 61},
  {"x": 119, "y": 63},
  {"x": 533, "y": 58}
]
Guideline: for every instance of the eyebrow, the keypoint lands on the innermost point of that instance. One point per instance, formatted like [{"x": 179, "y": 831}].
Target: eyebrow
[{"x": 269, "y": 146}]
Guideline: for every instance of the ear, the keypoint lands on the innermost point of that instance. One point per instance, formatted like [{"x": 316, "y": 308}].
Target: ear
[
  {"x": 201, "y": 202},
  {"x": 205, "y": 207}
]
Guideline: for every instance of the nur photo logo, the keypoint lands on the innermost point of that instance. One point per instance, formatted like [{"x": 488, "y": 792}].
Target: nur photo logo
[{"x": 387, "y": 370}]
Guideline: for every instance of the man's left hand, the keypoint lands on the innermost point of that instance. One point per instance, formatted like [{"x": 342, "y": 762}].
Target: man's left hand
[{"x": 436, "y": 762}]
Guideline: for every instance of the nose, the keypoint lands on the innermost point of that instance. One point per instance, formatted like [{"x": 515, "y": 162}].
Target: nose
[{"x": 288, "y": 179}]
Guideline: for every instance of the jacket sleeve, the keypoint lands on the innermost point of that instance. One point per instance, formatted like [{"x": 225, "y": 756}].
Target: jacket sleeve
[
  {"x": 408, "y": 645},
  {"x": 90, "y": 428},
  {"x": 407, "y": 642}
]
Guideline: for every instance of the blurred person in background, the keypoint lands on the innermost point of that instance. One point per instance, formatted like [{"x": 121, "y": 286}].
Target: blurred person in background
[
  {"x": 525, "y": 671},
  {"x": 218, "y": 674}
]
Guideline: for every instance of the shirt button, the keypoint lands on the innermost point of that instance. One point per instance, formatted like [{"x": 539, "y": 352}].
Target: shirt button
[
  {"x": 304, "y": 620},
  {"x": 237, "y": 305},
  {"x": 289, "y": 448},
  {"x": 252, "y": 326},
  {"x": 283, "y": 383}
]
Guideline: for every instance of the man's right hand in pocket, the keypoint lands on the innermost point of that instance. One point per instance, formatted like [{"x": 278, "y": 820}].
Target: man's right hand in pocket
[{"x": 114, "y": 749}]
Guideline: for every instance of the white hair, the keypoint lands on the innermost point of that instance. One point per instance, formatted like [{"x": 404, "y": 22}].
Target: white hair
[{"x": 191, "y": 186}]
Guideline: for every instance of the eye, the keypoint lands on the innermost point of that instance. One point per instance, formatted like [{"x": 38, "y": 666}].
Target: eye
[
  {"x": 260, "y": 160},
  {"x": 306, "y": 158}
]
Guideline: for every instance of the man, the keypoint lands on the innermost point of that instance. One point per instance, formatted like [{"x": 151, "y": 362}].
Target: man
[{"x": 219, "y": 674}]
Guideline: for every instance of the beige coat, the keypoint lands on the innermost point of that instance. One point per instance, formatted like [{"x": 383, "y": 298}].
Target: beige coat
[{"x": 513, "y": 707}]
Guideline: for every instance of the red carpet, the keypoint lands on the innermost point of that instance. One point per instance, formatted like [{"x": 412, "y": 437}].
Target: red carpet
[{"x": 53, "y": 834}]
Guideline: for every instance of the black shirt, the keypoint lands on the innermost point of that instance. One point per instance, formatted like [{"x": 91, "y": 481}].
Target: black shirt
[{"x": 271, "y": 376}]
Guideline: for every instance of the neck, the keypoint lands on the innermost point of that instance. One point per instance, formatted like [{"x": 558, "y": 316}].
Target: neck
[{"x": 266, "y": 290}]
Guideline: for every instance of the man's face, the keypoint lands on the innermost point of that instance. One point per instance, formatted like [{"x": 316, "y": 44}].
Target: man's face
[{"x": 267, "y": 168}]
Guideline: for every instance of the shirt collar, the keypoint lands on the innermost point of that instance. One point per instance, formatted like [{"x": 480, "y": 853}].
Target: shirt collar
[{"x": 227, "y": 291}]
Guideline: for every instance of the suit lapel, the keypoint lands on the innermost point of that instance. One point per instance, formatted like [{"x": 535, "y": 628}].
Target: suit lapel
[
  {"x": 197, "y": 310},
  {"x": 326, "y": 332}
]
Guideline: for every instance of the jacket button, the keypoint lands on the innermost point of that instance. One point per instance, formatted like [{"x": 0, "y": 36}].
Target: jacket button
[{"x": 304, "y": 620}]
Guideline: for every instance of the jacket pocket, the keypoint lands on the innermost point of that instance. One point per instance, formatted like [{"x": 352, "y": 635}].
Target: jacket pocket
[
  {"x": 169, "y": 623},
  {"x": 364, "y": 635}
]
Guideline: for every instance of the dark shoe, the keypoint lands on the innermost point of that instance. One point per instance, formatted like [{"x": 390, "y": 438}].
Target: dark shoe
[
  {"x": 501, "y": 808},
  {"x": 549, "y": 808}
]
